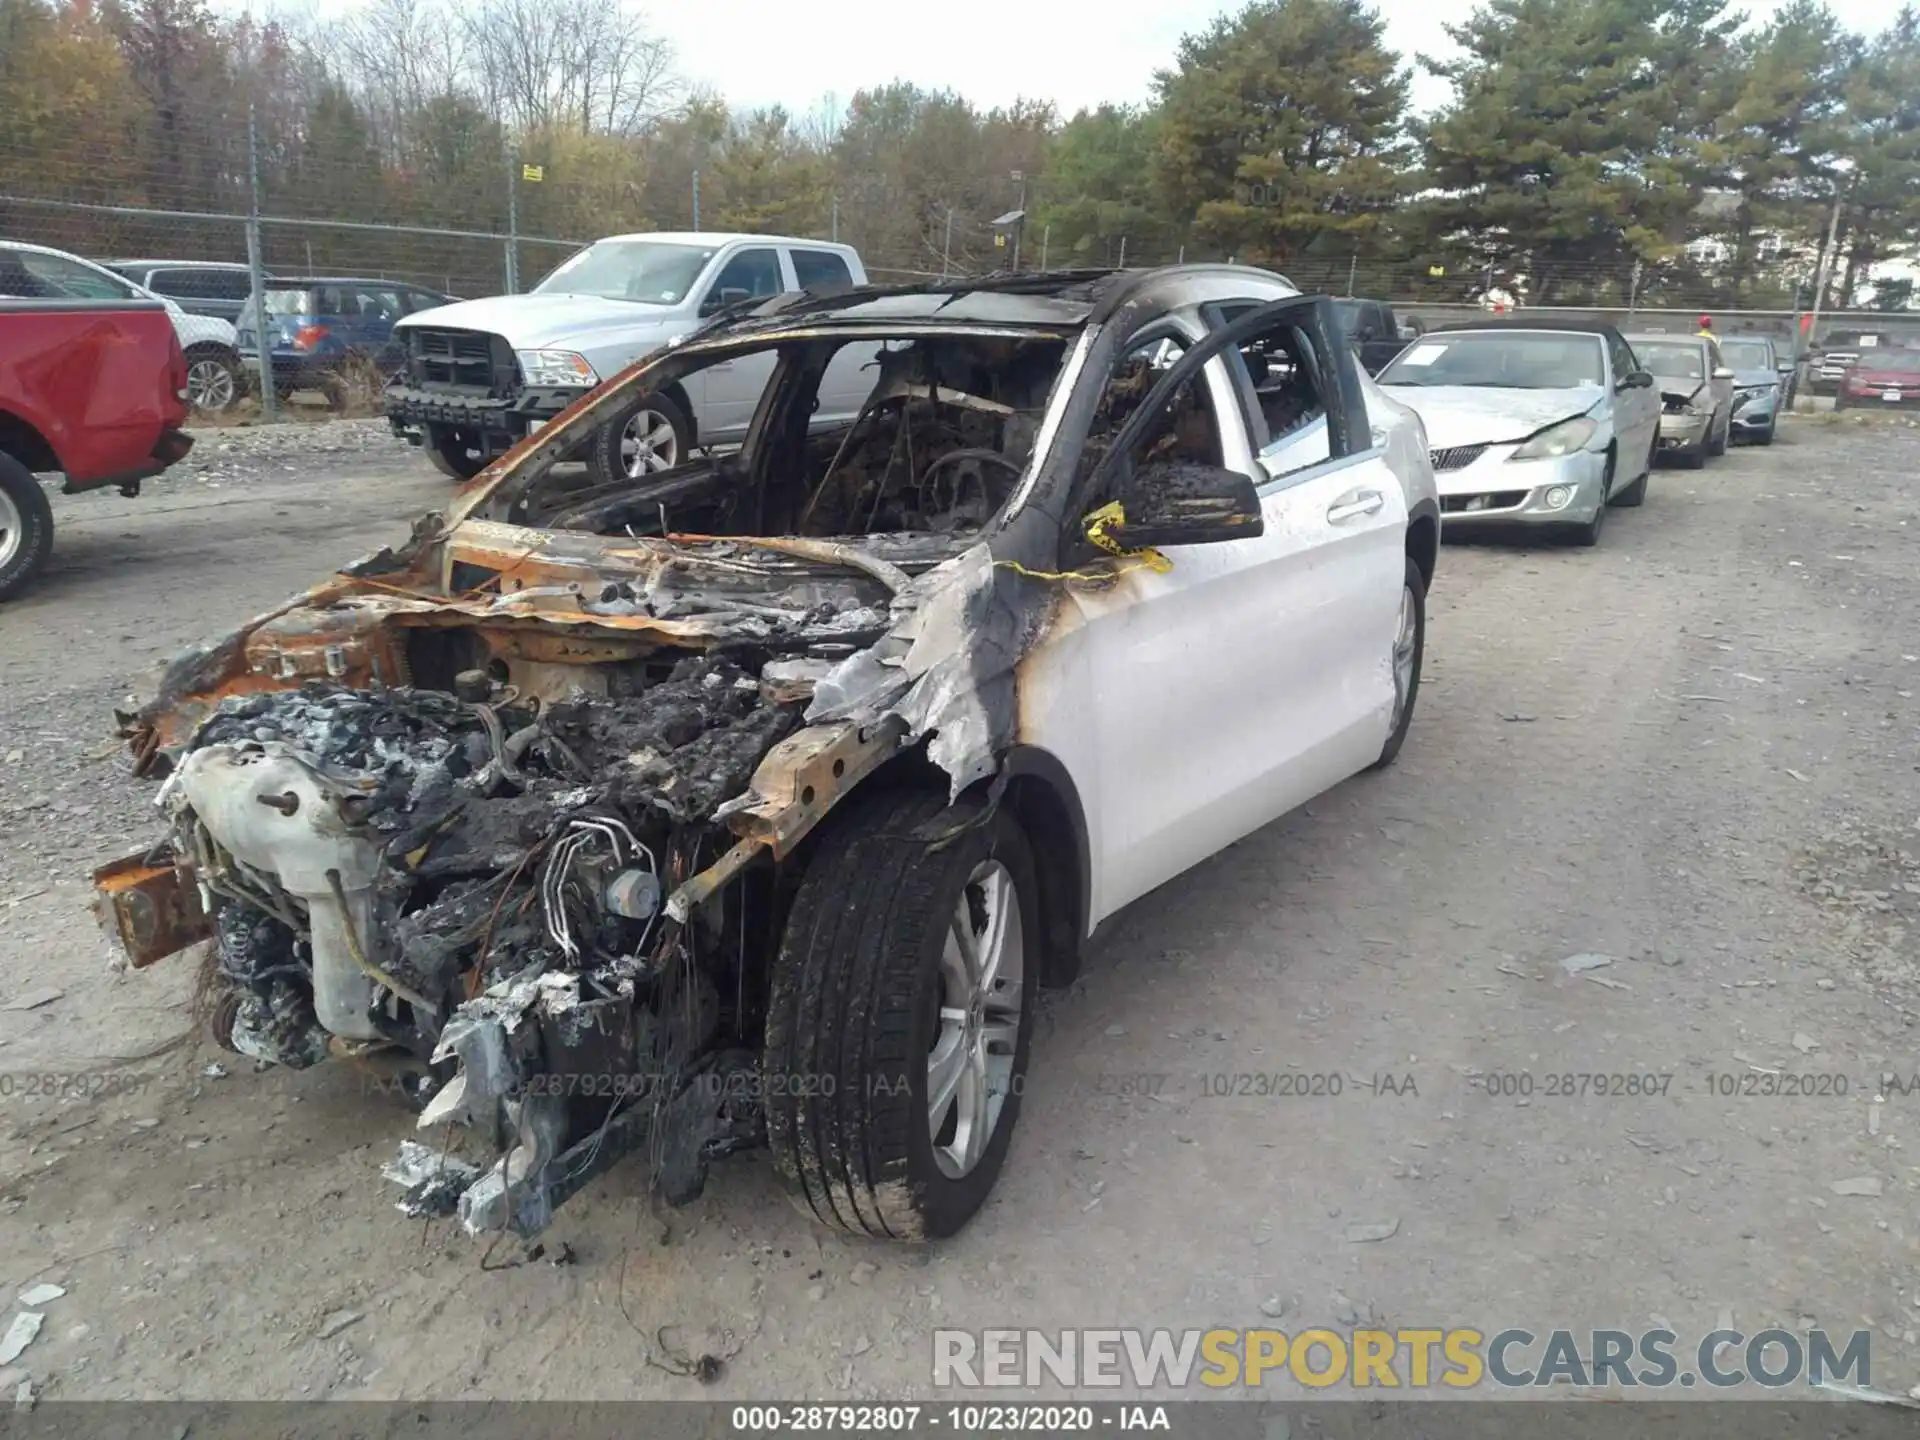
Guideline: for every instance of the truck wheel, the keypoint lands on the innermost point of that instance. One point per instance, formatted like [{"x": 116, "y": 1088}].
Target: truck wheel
[
  {"x": 448, "y": 452},
  {"x": 899, "y": 1016},
  {"x": 26, "y": 526},
  {"x": 650, "y": 435},
  {"x": 213, "y": 378}
]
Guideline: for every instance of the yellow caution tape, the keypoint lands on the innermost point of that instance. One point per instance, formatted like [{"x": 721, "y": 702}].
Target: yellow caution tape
[{"x": 1097, "y": 527}]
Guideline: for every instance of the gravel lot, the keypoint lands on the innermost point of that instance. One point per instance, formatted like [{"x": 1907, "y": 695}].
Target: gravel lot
[{"x": 1692, "y": 751}]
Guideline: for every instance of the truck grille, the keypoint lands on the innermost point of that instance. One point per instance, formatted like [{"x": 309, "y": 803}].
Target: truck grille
[{"x": 470, "y": 361}]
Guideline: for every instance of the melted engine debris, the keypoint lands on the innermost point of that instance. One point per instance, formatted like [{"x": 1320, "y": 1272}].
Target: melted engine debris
[{"x": 517, "y": 858}]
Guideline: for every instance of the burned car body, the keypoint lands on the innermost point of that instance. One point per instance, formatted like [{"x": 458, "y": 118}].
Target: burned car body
[{"x": 750, "y": 802}]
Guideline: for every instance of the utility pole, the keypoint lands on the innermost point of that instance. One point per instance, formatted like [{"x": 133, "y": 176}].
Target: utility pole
[
  {"x": 1046, "y": 239},
  {"x": 513, "y": 219},
  {"x": 836, "y": 220},
  {"x": 1820, "y": 273},
  {"x": 1123, "y": 254},
  {"x": 696, "y": 200},
  {"x": 1020, "y": 229},
  {"x": 257, "y": 274},
  {"x": 946, "y": 246},
  {"x": 1633, "y": 287},
  {"x": 1353, "y": 271}
]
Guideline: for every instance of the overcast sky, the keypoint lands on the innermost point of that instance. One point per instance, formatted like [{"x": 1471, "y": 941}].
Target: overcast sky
[{"x": 1073, "y": 52}]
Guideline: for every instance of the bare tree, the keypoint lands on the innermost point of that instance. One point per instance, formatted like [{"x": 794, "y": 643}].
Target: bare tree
[{"x": 582, "y": 65}]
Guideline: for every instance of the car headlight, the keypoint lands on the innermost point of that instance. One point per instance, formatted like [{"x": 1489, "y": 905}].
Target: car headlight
[
  {"x": 556, "y": 367},
  {"x": 1751, "y": 393},
  {"x": 1556, "y": 440}
]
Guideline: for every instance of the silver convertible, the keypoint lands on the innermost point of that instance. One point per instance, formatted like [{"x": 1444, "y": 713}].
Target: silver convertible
[{"x": 1531, "y": 423}]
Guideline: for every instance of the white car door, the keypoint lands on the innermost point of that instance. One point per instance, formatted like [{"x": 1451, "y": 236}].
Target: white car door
[
  {"x": 1253, "y": 674},
  {"x": 1636, "y": 408},
  {"x": 730, "y": 390}
]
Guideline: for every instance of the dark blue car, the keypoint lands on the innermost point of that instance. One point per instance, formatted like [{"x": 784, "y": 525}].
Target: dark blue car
[{"x": 321, "y": 327}]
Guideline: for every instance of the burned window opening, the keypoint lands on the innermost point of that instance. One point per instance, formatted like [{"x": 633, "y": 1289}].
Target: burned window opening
[{"x": 936, "y": 447}]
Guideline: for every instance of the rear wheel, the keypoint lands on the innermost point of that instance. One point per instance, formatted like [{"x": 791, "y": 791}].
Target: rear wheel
[
  {"x": 900, "y": 1014},
  {"x": 26, "y": 526}
]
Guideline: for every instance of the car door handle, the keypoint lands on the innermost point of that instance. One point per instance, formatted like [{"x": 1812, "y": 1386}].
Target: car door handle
[{"x": 1353, "y": 505}]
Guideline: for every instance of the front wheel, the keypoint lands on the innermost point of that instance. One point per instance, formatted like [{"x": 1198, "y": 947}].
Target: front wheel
[
  {"x": 1409, "y": 653},
  {"x": 26, "y": 526},
  {"x": 900, "y": 1014},
  {"x": 1588, "y": 535},
  {"x": 213, "y": 378},
  {"x": 650, "y": 435},
  {"x": 1717, "y": 444},
  {"x": 449, "y": 453}
]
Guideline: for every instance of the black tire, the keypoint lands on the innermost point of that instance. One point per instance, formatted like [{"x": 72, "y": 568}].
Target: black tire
[
  {"x": 1413, "y": 590},
  {"x": 1765, "y": 437},
  {"x": 1717, "y": 444},
  {"x": 607, "y": 456},
  {"x": 854, "y": 1010},
  {"x": 448, "y": 452},
  {"x": 1840, "y": 399},
  {"x": 213, "y": 379},
  {"x": 1588, "y": 535},
  {"x": 1694, "y": 457},
  {"x": 26, "y": 526},
  {"x": 1636, "y": 493}
]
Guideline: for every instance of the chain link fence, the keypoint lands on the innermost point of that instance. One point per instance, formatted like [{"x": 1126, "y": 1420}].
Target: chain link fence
[{"x": 500, "y": 233}]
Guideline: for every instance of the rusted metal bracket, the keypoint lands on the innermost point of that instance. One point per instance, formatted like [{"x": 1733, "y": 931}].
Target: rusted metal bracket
[
  {"x": 797, "y": 782},
  {"x": 150, "y": 904}
]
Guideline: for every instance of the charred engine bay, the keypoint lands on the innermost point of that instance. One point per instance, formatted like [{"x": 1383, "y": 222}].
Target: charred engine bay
[
  {"x": 523, "y": 975},
  {"x": 536, "y": 891}
]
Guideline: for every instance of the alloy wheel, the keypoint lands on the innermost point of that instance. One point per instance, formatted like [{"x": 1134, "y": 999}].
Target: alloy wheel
[
  {"x": 1404, "y": 646},
  {"x": 970, "y": 1065},
  {"x": 13, "y": 530},
  {"x": 209, "y": 385},
  {"x": 648, "y": 445}
]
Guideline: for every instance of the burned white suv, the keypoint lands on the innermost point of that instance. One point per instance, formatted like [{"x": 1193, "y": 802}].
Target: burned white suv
[{"x": 750, "y": 802}]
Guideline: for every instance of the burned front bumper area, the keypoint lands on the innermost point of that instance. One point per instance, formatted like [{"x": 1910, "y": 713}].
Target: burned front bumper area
[{"x": 540, "y": 903}]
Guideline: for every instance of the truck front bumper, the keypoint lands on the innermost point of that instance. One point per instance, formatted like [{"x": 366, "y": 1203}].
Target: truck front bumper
[{"x": 492, "y": 424}]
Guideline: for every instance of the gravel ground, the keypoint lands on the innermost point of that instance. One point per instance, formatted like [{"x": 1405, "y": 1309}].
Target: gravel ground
[{"x": 1691, "y": 751}]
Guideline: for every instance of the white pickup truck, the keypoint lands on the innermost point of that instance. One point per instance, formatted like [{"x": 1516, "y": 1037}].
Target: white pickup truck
[{"x": 479, "y": 375}]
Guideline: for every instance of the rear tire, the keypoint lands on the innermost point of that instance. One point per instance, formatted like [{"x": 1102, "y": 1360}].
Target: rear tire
[
  {"x": 26, "y": 526},
  {"x": 873, "y": 1002}
]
